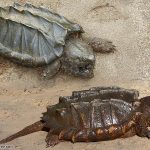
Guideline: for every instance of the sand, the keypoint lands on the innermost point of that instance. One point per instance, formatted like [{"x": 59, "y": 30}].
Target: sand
[{"x": 24, "y": 95}]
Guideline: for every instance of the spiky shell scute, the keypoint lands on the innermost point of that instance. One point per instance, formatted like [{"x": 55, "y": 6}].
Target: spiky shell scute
[
  {"x": 95, "y": 108},
  {"x": 33, "y": 36},
  {"x": 130, "y": 95},
  {"x": 101, "y": 113}
]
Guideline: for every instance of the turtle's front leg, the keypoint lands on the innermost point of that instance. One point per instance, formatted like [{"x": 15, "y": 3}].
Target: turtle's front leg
[
  {"x": 51, "y": 139},
  {"x": 51, "y": 70},
  {"x": 102, "y": 45}
]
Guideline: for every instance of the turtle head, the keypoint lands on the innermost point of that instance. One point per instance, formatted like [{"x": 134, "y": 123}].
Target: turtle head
[
  {"x": 143, "y": 122},
  {"x": 78, "y": 59}
]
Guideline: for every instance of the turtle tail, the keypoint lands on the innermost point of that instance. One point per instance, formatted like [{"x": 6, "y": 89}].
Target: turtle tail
[{"x": 37, "y": 126}]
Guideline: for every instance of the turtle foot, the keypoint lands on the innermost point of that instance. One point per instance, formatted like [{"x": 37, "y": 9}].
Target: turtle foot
[{"x": 102, "y": 45}]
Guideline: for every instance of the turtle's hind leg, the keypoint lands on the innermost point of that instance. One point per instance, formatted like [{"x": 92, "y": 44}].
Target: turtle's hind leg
[{"x": 102, "y": 45}]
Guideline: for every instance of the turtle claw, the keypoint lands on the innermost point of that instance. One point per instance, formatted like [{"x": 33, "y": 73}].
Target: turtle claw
[
  {"x": 51, "y": 141},
  {"x": 51, "y": 70},
  {"x": 102, "y": 45}
]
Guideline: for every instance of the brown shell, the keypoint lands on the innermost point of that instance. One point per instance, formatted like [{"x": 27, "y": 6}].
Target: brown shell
[
  {"x": 98, "y": 107},
  {"x": 100, "y": 113}
]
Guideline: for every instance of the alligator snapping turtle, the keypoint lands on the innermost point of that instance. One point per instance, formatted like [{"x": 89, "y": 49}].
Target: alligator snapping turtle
[
  {"x": 101, "y": 113},
  {"x": 34, "y": 37}
]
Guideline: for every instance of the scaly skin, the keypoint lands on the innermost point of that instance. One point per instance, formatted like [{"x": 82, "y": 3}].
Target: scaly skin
[
  {"x": 102, "y": 45},
  {"x": 93, "y": 115}
]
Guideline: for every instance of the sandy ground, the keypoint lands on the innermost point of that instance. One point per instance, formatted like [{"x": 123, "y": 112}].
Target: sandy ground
[{"x": 24, "y": 95}]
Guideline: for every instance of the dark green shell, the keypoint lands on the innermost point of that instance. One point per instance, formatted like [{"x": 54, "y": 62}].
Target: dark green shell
[{"x": 33, "y": 36}]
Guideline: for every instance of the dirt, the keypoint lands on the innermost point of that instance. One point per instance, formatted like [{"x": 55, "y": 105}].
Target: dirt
[{"x": 24, "y": 95}]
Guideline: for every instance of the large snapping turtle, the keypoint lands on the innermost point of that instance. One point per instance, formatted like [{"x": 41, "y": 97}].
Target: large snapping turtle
[
  {"x": 36, "y": 37},
  {"x": 101, "y": 113}
]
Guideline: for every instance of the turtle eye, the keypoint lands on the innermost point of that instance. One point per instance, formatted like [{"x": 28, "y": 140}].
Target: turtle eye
[{"x": 60, "y": 112}]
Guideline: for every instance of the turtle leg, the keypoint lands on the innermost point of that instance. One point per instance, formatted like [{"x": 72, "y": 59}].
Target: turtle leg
[
  {"x": 51, "y": 70},
  {"x": 51, "y": 139},
  {"x": 102, "y": 45}
]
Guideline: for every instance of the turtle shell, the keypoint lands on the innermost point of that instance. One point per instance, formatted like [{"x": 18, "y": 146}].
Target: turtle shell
[
  {"x": 92, "y": 109},
  {"x": 33, "y": 36},
  {"x": 101, "y": 113}
]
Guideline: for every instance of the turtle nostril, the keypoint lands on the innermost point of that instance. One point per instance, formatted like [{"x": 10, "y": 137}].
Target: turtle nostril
[
  {"x": 81, "y": 69},
  {"x": 84, "y": 68}
]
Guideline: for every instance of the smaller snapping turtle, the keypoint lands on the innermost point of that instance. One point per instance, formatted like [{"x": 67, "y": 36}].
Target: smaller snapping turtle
[
  {"x": 37, "y": 37},
  {"x": 100, "y": 113}
]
